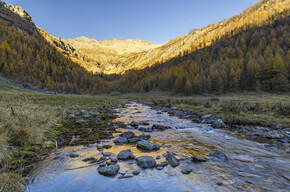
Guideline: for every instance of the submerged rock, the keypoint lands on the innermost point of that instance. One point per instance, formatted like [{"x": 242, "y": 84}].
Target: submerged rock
[
  {"x": 72, "y": 155},
  {"x": 148, "y": 146},
  {"x": 136, "y": 172},
  {"x": 107, "y": 146},
  {"x": 219, "y": 155},
  {"x": 186, "y": 170},
  {"x": 110, "y": 170},
  {"x": 159, "y": 167},
  {"x": 171, "y": 159},
  {"x": 146, "y": 162},
  {"x": 125, "y": 155}
]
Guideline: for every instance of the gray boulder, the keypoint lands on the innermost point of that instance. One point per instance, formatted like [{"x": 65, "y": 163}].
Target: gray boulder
[
  {"x": 218, "y": 124},
  {"x": 146, "y": 162},
  {"x": 148, "y": 146},
  {"x": 171, "y": 159},
  {"x": 107, "y": 154},
  {"x": 125, "y": 155},
  {"x": 134, "y": 140},
  {"x": 110, "y": 170},
  {"x": 121, "y": 141},
  {"x": 156, "y": 127},
  {"x": 186, "y": 170},
  {"x": 127, "y": 134}
]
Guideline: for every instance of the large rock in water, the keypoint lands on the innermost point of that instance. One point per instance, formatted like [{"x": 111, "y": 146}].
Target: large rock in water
[
  {"x": 146, "y": 162},
  {"x": 125, "y": 155},
  {"x": 127, "y": 134},
  {"x": 156, "y": 127},
  {"x": 121, "y": 141},
  {"x": 148, "y": 146},
  {"x": 171, "y": 159},
  {"x": 110, "y": 170}
]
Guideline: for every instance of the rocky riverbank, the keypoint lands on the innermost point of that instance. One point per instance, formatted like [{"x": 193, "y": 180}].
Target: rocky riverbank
[{"x": 275, "y": 136}]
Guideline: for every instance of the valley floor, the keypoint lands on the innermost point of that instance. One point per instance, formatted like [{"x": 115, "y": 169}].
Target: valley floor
[{"x": 30, "y": 121}]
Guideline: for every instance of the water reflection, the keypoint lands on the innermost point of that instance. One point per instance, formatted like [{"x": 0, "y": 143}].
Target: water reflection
[{"x": 250, "y": 167}]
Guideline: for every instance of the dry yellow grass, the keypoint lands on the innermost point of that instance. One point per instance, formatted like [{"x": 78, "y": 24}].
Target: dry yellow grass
[{"x": 26, "y": 122}]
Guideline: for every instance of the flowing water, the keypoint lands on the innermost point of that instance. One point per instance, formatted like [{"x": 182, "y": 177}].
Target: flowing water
[{"x": 250, "y": 166}]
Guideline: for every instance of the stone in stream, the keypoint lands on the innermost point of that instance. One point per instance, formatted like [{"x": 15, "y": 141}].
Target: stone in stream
[
  {"x": 199, "y": 159},
  {"x": 89, "y": 159},
  {"x": 164, "y": 164},
  {"x": 144, "y": 123},
  {"x": 148, "y": 146},
  {"x": 99, "y": 147},
  {"x": 134, "y": 124},
  {"x": 186, "y": 170},
  {"x": 144, "y": 137},
  {"x": 171, "y": 159},
  {"x": 114, "y": 159},
  {"x": 218, "y": 124},
  {"x": 121, "y": 141},
  {"x": 156, "y": 127},
  {"x": 134, "y": 140},
  {"x": 127, "y": 175},
  {"x": 107, "y": 154},
  {"x": 144, "y": 129},
  {"x": 219, "y": 155},
  {"x": 146, "y": 162},
  {"x": 110, "y": 170},
  {"x": 72, "y": 155},
  {"x": 128, "y": 134},
  {"x": 125, "y": 155},
  {"x": 159, "y": 167},
  {"x": 136, "y": 172},
  {"x": 158, "y": 157},
  {"x": 107, "y": 146}
]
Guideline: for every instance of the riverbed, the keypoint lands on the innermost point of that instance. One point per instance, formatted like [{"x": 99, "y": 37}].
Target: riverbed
[{"x": 244, "y": 165}]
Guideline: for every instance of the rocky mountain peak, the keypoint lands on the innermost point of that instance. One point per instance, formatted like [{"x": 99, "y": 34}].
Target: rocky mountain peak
[{"x": 18, "y": 10}]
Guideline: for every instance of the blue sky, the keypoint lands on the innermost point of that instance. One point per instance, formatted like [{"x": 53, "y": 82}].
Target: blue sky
[{"x": 154, "y": 20}]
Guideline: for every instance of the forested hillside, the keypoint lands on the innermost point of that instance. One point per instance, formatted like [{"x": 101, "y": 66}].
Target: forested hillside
[
  {"x": 255, "y": 59},
  {"x": 27, "y": 57},
  {"x": 248, "y": 52}
]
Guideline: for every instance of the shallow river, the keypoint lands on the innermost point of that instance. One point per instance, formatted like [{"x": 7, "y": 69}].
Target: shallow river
[{"x": 250, "y": 166}]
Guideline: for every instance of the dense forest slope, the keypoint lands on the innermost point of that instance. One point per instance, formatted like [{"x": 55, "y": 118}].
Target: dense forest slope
[
  {"x": 257, "y": 58},
  {"x": 26, "y": 56}
]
